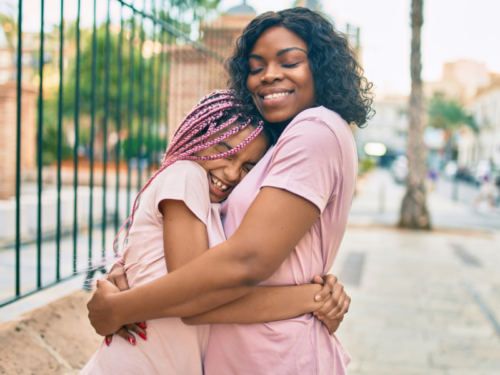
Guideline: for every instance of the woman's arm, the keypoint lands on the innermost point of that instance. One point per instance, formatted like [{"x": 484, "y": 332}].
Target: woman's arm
[{"x": 272, "y": 227}]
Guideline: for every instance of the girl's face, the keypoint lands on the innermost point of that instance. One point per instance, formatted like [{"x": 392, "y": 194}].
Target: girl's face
[
  {"x": 224, "y": 174},
  {"x": 280, "y": 80}
]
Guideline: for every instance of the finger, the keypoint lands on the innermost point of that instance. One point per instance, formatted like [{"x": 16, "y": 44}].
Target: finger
[
  {"x": 109, "y": 339},
  {"x": 142, "y": 325},
  {"x": 329, "y": 282},
  {"x": 318, "y": 279},
  {"x": 326, "y": 308},
  {"x": 121, "y": 282},
  {"x": 125, "y": 334},
  {"x": 135, "y": 328},
  {"x": 338, "y": 304},
  {"x": 345, "y": 309}
]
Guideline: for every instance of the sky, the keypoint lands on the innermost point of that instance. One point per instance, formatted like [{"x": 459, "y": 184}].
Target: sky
[{"x": 453, "y": 29}]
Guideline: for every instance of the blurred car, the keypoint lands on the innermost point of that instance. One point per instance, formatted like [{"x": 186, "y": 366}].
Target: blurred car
[{"x": 399, "y": 169}]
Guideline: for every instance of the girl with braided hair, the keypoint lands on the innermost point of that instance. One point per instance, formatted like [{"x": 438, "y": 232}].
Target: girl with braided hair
[{"x": 175, "y": 218}]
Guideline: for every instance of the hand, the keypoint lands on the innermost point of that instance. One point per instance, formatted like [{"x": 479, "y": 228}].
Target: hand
[
  {"x": 125, "y": 333},
  {"x": 101, "y": 311},
  {"x": 336, "y": 306},
  {"x": 118, "y": 277},
  {"x": 332, "y": 324}
]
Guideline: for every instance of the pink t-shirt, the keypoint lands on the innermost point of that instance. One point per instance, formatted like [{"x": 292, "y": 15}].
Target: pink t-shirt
[
  {"x": 171, "y": 347},
  {"x": 315, "y": 158}
]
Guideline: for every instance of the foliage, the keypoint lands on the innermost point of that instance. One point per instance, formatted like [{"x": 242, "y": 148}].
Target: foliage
[
  {"x": 448, "y": 114},
  {"x": 365, "y": 165}
]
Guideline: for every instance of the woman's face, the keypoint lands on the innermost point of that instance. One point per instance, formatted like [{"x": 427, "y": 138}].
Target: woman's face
[
  {"x": 224, "y": 174},
  {"x": 280, "y": 80}
]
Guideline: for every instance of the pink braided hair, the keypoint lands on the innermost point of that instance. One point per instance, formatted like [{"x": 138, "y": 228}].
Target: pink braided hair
[{"x": 193, "y": 135}]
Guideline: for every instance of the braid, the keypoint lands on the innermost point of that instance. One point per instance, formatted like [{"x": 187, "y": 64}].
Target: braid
[{"x": 192, "y": 136}]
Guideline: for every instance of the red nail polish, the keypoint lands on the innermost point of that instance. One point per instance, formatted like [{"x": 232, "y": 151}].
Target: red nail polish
[
  {"x": 97, "y": 280},
  {"x": 142, "y": 336},
  {"x": 130, "y": 340},
  {"x": 143, "y": 326},
  {"x": 107, "y": 342}
]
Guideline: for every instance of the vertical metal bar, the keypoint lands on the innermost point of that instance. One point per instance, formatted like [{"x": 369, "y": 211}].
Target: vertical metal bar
[
  {"x": 159, "y": 92},
  {"x": 168, "y": 61},
  {"x": 105, "y": 135},
  {"x": 141, "y": 105},
  {"x": 59, "y": 145},
  {"x": 119, "y": 119},
  {"x": 92, "y": 131},
  {"x": 130, "y": 115},
  {"x": 40, "y": 154},
  {"x": 77, "y": 140},
  {"x": 151, "y": 100},
  {"x": 18, "y": 145}
]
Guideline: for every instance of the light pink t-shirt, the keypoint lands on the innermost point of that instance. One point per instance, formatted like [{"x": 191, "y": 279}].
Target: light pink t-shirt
[
  {"x": 171, "y": 347},
  {"x": 315, "y": 158}
]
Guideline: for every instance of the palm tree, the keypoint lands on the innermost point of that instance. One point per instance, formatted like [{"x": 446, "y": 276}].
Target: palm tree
[{"x": 414, "y": 213}]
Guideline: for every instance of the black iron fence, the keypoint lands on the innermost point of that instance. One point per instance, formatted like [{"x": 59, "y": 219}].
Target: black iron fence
[{"x": 106, "y": 83}]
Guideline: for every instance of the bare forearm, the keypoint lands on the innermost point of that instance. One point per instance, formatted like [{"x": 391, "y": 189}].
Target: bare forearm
[
  {"x": 263, "y": 304},
  {"x": 178, "y": 294}
]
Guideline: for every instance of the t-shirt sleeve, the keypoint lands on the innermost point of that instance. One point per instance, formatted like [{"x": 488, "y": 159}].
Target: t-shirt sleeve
[
  {"x": 307, "y": 162},
  {"x": 184, "y": 181}
]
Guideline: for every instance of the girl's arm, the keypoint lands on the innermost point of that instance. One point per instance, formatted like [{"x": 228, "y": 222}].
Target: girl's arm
[{"x": 272, "y": 227}]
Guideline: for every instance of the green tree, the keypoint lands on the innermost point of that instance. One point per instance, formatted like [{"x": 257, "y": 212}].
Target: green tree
[{"x": 449, "y": 115}]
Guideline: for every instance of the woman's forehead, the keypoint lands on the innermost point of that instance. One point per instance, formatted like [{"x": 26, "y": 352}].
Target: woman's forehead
[{"x": 278, "y": 38}]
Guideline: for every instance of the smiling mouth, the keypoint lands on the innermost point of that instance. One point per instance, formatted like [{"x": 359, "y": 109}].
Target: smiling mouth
[
  {"x": 219, "y": 184},
  {"x": 277, "y": 95}
]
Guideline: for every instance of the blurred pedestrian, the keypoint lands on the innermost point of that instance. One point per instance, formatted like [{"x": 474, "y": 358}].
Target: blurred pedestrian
[{"x": 488, "y": 192}]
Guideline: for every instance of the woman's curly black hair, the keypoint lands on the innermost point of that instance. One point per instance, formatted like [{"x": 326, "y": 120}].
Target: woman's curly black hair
[{"x": 338, "y": 78}]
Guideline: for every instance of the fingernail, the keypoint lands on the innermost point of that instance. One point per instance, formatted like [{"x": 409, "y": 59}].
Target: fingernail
[
  {"x": 131, "y": 340},
  {"x": 315, "y": 313},
  {"x": 142, "y": 336},
  {"x": 318, "y": 298},
  {"x": 143, "y": 326},
  {"x": 107, "y": 342},
  {"x": 97, "y": 280}
]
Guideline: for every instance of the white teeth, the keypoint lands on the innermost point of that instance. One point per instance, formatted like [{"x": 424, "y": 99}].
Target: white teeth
[
  {"x": 218, "y": 183},
  {"x": 277, "y": 95}
]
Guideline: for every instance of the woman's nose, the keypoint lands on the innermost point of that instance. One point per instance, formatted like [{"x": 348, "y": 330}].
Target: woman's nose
[{"x": 272, "y": 73}]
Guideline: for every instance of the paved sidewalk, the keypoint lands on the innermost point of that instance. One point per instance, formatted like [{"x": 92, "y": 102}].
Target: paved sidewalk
[{"x": 414, "y": 311}]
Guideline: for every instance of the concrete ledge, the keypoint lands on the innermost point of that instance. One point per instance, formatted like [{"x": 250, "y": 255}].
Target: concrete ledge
[{"x": 54, "y": 339}]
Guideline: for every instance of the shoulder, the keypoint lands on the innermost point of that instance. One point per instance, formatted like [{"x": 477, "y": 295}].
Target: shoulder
[
  {"x": 184, "y": 170},
  {"x": 317, "y": 125}
]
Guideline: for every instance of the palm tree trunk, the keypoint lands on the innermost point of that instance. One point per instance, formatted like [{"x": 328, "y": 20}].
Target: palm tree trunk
[{"x": 414, "y": 212}]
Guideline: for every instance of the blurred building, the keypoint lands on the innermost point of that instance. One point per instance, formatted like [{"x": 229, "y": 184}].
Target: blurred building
[
  {"x": 195, "y": 74},
  {"x": 460, "y": 81},
  {"x": 485, "y": 107}
]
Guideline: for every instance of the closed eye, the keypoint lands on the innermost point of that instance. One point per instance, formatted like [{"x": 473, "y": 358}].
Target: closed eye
[
  {"x": 252, "y": 72},
  {"x": 290, "y": 65}
]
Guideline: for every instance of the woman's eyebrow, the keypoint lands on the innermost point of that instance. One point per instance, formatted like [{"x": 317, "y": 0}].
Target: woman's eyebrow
[
  {"x": 258, "y": 57},
  {"x": 281, "y": 52}
]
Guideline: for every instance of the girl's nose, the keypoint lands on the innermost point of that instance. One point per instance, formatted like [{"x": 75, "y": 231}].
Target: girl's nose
[{"x": 232, "y": 173}]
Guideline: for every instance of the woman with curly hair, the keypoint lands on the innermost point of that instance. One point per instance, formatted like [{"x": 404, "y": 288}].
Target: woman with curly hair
[{"x": 286, "y": 220}]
